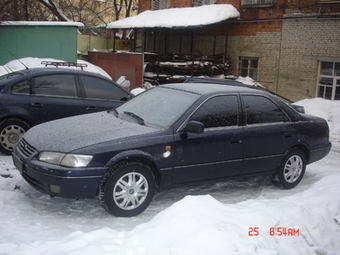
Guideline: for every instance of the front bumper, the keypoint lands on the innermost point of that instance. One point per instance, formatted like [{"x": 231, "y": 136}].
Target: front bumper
[{"x": 72, "y": 184}]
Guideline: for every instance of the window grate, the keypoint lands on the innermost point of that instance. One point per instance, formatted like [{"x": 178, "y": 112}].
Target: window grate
[
  {"x": 257, "y": 2},
  {"x": 160, "y": 4}
]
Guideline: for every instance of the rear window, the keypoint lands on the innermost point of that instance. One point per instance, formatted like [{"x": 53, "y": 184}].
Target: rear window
[{"x": 21, "y": 87}]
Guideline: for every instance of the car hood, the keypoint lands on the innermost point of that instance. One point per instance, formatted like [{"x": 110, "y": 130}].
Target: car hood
[{"x": 69, "y": 134}]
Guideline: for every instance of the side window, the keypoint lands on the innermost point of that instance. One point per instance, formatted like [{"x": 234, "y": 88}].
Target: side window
[
  {"x": 63, "y": 85},
  {"x": 21, "y": 88},
  {"x": 96, "y": 88},
  {"x": 221, "y": 111},
  {"x": 259, "y": 109}
]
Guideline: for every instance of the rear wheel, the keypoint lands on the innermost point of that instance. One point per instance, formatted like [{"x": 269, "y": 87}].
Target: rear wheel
[
  {"x": 291, "y": 170},
  {"x": 11, "y": 131},
  {"x": 127, "y": 189}
]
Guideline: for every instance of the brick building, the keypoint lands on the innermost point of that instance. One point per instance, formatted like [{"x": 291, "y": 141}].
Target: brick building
[{"x": 291, "y": 47}]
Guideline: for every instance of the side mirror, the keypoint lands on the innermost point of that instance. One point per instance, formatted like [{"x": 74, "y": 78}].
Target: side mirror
[{"x": 194, "y": 127}]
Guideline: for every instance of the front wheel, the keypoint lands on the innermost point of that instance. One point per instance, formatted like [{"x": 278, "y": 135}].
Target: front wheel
[
  {"x": 11, "y": 131},
  {"x": 291, "y": 169},
  {"x": 127, "y": 189}
]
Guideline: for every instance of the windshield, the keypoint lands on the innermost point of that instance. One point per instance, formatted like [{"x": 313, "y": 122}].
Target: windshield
[{"x": 158, "y": 106}]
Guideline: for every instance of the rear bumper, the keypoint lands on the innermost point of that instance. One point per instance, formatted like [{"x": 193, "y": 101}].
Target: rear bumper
[
  {"x": 319, "y": 152},
  {"x": 67, "y": 186}
]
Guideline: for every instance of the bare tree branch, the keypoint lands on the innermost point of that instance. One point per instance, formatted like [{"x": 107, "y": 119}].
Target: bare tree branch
[{"x": 54, "y": 9}]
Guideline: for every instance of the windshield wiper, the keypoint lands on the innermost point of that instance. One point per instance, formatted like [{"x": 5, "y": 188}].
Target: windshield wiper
[
  {"x": 114, "y": 111},
  {"x": 140, "y": 119}
]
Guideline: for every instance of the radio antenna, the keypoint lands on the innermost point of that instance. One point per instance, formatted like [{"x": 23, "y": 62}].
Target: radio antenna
[{"x": 19, "y": 60}]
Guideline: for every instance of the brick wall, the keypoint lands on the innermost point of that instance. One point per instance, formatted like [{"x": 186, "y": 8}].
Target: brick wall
[
  {"x": 288, "y": 61},
  {"x": 180, "y": 3},
  {"x": 144, "y": 5},
  {"x": 266, "y": 47},
  {"x": 290, "y": 38},
  {"x": 304, "y": 43}
]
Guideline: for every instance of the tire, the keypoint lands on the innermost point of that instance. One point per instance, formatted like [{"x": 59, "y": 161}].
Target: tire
[
  {"x": 11, "y": 131},
  {"x": 127, "y": 189},
  {"x": 291, "y": 169}
]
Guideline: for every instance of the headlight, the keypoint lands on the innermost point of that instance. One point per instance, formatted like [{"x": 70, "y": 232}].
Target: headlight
[{"x": 69, "y": 160}]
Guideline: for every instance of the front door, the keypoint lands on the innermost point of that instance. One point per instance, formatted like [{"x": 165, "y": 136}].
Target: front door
[{"x": 217, "y": 152}]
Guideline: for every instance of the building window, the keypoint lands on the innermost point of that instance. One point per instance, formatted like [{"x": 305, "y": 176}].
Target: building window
[
  {"x": 160, "y": 4},
  {"x": 257, "y": 2},
  {"x": 329, "y": 80},
  {"x": 249, "y": 67},
  {"x": 203, "y": 2},
  {"x": 329, "y": 1}
]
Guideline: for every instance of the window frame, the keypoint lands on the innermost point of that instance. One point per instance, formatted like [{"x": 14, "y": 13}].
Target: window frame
[
  {"x": 249, "y": 68},
  {"x": 257, "y": 3},
  {"x": 329, "y": 1},
  {"x": 333, "y": 77}
]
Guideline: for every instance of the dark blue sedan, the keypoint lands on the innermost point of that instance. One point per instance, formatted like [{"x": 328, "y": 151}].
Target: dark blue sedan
[
  {"x": 33, "y": 96},
  {"x": 169, "y": 136}
]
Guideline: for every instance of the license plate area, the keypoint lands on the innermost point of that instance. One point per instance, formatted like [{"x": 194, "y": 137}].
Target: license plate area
[{"x": 18, "y": 163}]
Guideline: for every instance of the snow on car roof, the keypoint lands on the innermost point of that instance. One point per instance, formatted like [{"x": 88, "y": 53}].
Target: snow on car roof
[{"x": 178, "y": 17}]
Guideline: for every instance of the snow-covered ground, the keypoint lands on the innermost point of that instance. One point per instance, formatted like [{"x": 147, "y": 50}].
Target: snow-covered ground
[{"x": 248, "y": 216}]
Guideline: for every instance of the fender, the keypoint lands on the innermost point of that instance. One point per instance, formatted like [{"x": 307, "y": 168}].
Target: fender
[
  {"x": 131, "y": 155},
  {"x": 17, "y": 112},
  {"x": 140, "y": 156}
]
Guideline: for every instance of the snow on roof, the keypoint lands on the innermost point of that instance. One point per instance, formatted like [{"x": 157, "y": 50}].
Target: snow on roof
[
  {"x": 31, "y": 62},
  {"x": 41, "y": 23},
  {"x": 178, "y": 17}
]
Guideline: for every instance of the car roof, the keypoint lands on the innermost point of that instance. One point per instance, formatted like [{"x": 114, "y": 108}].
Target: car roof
[
  {"x": 231, "y": 82},
  {"x": 211, "y": 88},
  {"x": 51, "y": 70}
]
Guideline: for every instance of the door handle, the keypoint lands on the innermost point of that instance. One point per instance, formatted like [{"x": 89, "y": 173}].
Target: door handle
[
  {"x": 288, "y": 134},
  {"x": 38, "y": 105},
  {"x": 236, "y": 140},
  {"x": 91, "y": 108}
]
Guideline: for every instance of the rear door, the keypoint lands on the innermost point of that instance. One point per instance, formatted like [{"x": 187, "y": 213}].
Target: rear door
[
  {"x": 55, "y": 96},
  {"x": 100, "y": 94},
  {"x": 217, "y": 152},
  {"x": 268, "y": 134}
]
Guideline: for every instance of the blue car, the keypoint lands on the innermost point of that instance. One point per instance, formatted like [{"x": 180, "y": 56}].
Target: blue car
[
  {"x": 33, "y": 96},
  {"x": 169, "y": 136}
]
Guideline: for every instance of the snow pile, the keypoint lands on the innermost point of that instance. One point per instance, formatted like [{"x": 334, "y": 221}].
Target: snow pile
[
  {"x": 29, "y": 62},
  {"x": 178, "y": 17},
  {"x": 249, "y": 216}
]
